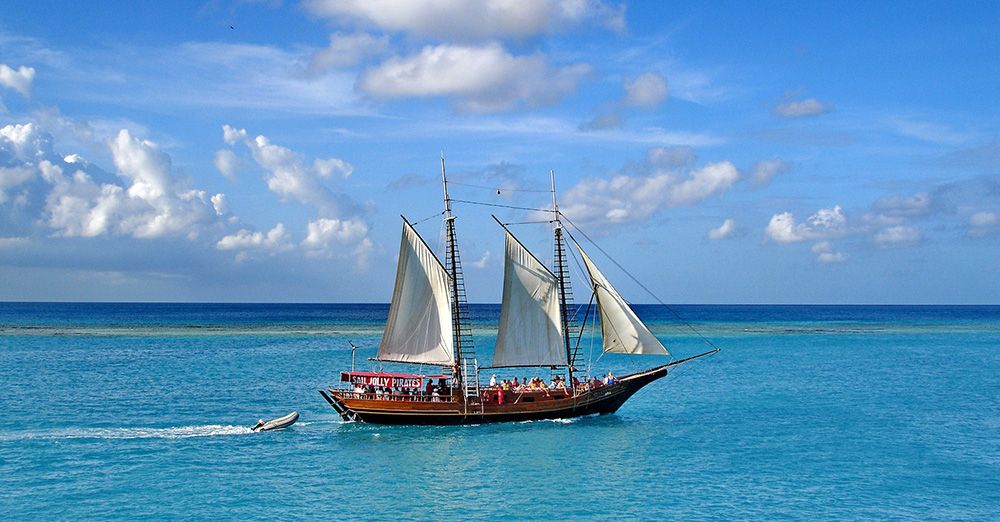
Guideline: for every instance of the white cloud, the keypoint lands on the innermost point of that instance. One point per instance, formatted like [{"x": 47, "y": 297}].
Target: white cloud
[
  {"x": 220, "y": 204},
  {"x": 624, "y": 198},
  {"x": 325, "y": 232},
  {"x": 983, "y": 219},
  {"x": 703, "y": 183},
  {"x": 825, "y": 223},
  {"x": 328, "y": 167},
  {"x": 902, "y": 206},
  {"x": 151, "y": 204},
  {"x": 482, "y": 261},
  {"x": 25, "y": 142},
  {"x": 20, "y": 79},
  {"x": 930, "y": 132},
  {"x": 826, "y": 254},
  {"x": 346, "y": 50},
  {"x": 764, "y": 171},
  {"x": 483, "y": 79},
  {"x": 226, "y": 162},
  {"x": 11, "y": 177},
  {"x": 725, "y": 230},
  {"x": 800, "y": 109},
  {"x": 231, "y": 135},
  {"x": 982, "y": 223},
  {"x": 291, "y": 177},
  {"x": 471, "y": 19},
  {"x": 333, "y": 237},
  {"x": 898, "y": 236},
  {"x": 275, "y": 240},
  {"x": 646, "y": 90}
]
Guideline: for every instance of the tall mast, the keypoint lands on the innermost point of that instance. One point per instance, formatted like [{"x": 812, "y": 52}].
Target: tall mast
[
  {"x": 459, "y": 311},
  {"x": 563, "y": 275}
]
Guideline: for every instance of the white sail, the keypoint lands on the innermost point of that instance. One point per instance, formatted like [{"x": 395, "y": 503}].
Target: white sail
[
  {"x": 530, "y": 322},
  {"x": 621, "y": 329},
  {"x": 419, "y": 328}
]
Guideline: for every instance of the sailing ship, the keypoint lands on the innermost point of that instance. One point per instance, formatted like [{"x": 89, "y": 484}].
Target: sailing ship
[{"x": 429, "y": 326}]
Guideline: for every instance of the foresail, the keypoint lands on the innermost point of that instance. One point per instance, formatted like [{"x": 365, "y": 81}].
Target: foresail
[
  {"x": 530, "y": 331},
  {"x": 622, "y": 330},
  {"x": 419, "y": 328}
]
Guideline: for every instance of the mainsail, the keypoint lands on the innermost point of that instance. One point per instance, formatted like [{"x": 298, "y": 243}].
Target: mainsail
[
  {"x": 419, "y": 328},
  {"x": 622, "y": 330},
  {"x": 530, "y": 331}
]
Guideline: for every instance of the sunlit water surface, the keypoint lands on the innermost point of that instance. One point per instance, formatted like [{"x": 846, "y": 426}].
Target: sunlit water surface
[{"x": 142, "y": 410}]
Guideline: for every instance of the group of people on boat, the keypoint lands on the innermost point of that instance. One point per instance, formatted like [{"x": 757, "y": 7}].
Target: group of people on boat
[
  {"x": 558, "y": 386},
  {"x": 431, "y": 393}
]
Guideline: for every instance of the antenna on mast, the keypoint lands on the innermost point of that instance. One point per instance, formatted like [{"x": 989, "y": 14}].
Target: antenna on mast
[{"x": 444, "y": 184}]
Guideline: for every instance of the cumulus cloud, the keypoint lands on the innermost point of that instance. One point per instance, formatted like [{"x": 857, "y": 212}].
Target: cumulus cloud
[
  {"x": 471, "y": 20},
  {"x": 632, "y": 198},
  {"x": 826, "y": 254},
  {"x": 646, "y": 90},
  {"x": 226, "y": 162},
  {"x": 801, "y": 109},
  {"x": 152, "y": 204},
  {"x": 291, "y": 176},
  {"x": 483, "y": 78},
  {"x": 898, "y": 236},
  {"x": 723, "y": 231},
  {"x": 275, "y": 240},
  {"x": 334, "y": 237},
  {"x": 19, "y": 79},
  {"x": 145, "y": 201},
  {"x": 347, "y": 50},
  {"x": 220, "y": 204},
  {"x": 825, "y": 223},
  {"x": 764, "y": 171}
]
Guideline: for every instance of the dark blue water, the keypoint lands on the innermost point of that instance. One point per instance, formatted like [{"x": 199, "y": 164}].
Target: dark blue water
[{"x": 141, "y": 410}]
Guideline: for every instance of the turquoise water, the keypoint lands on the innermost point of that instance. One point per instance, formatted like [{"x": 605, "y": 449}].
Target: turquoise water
[{"x": 142, "y": 410}]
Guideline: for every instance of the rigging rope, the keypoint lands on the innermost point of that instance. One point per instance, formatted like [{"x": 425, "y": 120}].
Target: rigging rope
[
  {"x": 426, "y": 218},
  {"x": 500, "y": 206},
  {"x": 497, "y": 187},
  {"x": 704, "y": 339}
]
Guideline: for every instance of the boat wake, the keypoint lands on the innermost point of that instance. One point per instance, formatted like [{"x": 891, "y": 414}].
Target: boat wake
[{"x": 178, "y": 432}]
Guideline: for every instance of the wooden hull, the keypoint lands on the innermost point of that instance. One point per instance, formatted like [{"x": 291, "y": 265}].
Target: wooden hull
[{"x": 602, "y": 401}]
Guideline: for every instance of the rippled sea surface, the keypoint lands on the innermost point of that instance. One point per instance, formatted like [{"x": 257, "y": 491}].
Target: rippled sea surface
[{"x": 831, "y": 412}]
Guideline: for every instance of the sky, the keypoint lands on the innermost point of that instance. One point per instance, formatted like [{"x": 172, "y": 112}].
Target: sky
[{"x": 721, "y": 152}]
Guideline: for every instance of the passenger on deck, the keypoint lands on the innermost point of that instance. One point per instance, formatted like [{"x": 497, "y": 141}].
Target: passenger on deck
[
  {"x": 610, "y": 379},
  {"x": 493, "y": 381},
  {"x": 435, "y": 396},
  {"x": 576, "y": 382},
  {"x": 515, "y": 385},
  {"x": 429, "y": 388}
]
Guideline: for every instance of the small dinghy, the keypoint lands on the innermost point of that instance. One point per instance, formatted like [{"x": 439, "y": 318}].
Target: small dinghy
[{"x": 277, "y": 424}]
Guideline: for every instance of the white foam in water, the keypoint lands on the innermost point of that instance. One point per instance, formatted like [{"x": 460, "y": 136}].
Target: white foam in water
[{"x": 179, "y": 432}]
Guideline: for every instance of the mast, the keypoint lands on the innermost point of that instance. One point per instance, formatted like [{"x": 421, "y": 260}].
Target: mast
[
  {"x": 459, "y": 311},
  {"x": 562, "y": 275}
]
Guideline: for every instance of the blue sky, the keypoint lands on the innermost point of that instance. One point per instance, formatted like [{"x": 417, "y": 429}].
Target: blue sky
[{"x": 729, "y": 152}]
